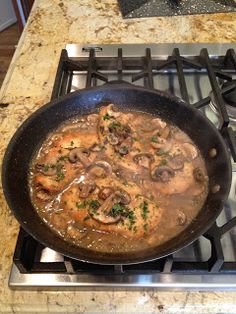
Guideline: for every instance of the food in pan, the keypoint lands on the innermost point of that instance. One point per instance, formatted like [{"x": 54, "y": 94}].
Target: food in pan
[{"x": 118, "y": 181}]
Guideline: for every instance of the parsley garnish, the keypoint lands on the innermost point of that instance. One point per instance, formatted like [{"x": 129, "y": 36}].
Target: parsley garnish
[
  {"x": 145, "y": 226},
  {"x": 117, "y": 209},
  {"x": 71, "y": 143},
  {"x": 102, "y": 147},
  {"x": 93, "y": 205},
  {"x": 144, "y": 207},
  {"x": 60, "y": 176},
  {"x": 87, "y": 217},
  {"x": 62, "y": 158},
  {"x": 160, "y": 152},
  {"x": 131, "y": 218},
  {"x": 163, "y": 162},
  {"x": 114, "y": 125},
  {"x": 45, "y": 168},
  {"x": 80, "y": 205},
  {"x": 106, "y": 117},
  {"x": 154, "y": 139}
]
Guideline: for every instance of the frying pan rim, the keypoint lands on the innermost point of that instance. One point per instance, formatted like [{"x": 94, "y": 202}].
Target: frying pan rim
[{"x": 50, "y": 104}]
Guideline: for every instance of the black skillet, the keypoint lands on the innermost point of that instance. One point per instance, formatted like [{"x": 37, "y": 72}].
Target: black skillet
[{"x": 35, "y": 129}]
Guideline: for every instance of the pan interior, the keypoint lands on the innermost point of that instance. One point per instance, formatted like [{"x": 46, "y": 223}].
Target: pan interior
[{"x": 31, "y": 134}]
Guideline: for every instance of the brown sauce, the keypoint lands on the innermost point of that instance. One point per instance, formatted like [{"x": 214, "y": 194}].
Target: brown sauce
[{"x": 118, "y": 181}]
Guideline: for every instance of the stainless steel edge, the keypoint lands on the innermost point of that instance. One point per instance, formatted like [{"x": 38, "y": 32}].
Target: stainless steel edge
[
  {"x": 161, "y": 281},
  {"x": 158, "y": 50}
]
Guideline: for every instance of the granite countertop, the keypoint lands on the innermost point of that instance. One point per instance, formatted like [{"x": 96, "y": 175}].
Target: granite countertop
[{"x": 28, "y": 84}]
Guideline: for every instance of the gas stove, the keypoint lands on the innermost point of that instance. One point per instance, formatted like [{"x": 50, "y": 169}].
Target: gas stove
[{"x": 204, "y": 76}]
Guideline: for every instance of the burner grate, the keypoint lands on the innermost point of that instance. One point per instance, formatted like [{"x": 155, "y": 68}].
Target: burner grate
[
  {"x": 28, "y": 253},
  {"x": 148, "y": 68},
  {"x": 28, "y": 259}
]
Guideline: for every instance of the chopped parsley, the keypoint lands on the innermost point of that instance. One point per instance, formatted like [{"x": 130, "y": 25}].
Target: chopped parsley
[
  {"x": 102, "y": 147},
  {"x": 160, "y": 152},
  {"x": 93, "y": 205},
  {"x": 106, "y": 117},
  {"x": 71, "y": 143},
  {"x": 80, "y": 205},
  {"x": 117, "y": 210},
  {"x": 60, "y": 176},
  {"x": 163, "y": 162},
  {"x": 62, "y": 158},
  {"x": 145, "y": 211},
  {"x": 145, "y": 226},
  {"x": 114, "y": 125},
  {"x": 87, "y": 217},
  {"x": 154, "y": 139},
  {"x": 46, "y": 168},
  {"x": 132, "y": 219}
]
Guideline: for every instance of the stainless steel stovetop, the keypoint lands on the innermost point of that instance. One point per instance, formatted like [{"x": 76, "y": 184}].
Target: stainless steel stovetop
[{"x": 173, "y": 274}]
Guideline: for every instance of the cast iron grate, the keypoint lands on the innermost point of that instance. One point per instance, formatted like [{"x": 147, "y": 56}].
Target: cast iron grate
[{"x": 28, "y": 250}]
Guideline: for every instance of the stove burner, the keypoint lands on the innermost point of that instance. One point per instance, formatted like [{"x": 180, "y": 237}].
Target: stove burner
[
  {"x": 209, "y": 262},
  {"x": 230, "y": 98}
]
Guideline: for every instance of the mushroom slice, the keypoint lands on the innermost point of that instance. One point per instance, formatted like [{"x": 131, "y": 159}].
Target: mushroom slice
[
  {"x": 80, "y": 154},
  {"x": 43, "y": 195},
  {"x": 161, "y": 144},
  {"x": 47, "y": 169},
  {"x": 105, "y": 192},
  {"x": 199, "y": 175},
  {"x": 190, "y": 151},
  {"x": 100, "y": 169},
  {"x": 176, "y": 162},
  {"x": 144, "y": 159},
  {"x": 112, "y": 139},
  {"x": 124, "y": 148},
  {"x": 158, "y": 142},
  {"x": 96, "y": 147},
  {"x": 122, "y": 131},
  {"x": 85, "y": 188},
  {"x": 112, "y": 111},
  {"x": 103, "y": 213},
  {"x": 124, "y": 174},
  {"x": 124, "y": 197},
  {"x": 162, "y": 173}
]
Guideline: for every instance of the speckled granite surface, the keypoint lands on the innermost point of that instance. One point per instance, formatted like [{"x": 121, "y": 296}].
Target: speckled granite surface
[
  {"x": 28, "y": 85},
  {"x": 148, "y": 8}
]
